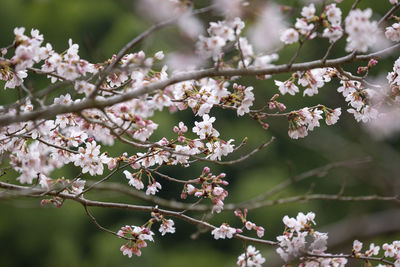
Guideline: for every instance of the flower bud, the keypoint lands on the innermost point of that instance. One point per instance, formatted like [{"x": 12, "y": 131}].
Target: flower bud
[
  {"x": 281, "y": 106},
  {"x": 271, "y": 105}
]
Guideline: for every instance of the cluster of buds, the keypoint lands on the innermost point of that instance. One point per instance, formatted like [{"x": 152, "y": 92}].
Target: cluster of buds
[
  {"x": 371, "y": 63},
  {"x": 248, "y": 224},
  {"x": 273, "y": 103},
  {"x": 180, "y": 130},
  {"x": 210, "y": 188},
  {"x": 56, "y": 201}
]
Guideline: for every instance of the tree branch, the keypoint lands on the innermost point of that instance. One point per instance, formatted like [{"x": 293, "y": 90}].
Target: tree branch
[{"x": 52, "y": 111}]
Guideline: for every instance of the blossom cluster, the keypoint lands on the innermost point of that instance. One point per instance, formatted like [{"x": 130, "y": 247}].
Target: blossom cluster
[
  {"x": 393, "y": 32},
  {"x": 220, "y": 33},
  {"x": 390, "y": 251},
  {"x": 229, "y": 30},
  {"x": 224, "y": 231},
  {"x": 308, "y": 23},
  {"x": 300, "y": 239},
  {"x": 251, "y": 258},
  {"x": 211, "y": 187},
  {"x": 135, "y": 180},
  {"x": 306, "y": 119},
  {"x": 312, "y": 80},
  {"x": 137, "y": 239},
  {"x": 137, "y": 236},
  {"x": 393, "y": 78},
  {"x": 358, "y": 98}
]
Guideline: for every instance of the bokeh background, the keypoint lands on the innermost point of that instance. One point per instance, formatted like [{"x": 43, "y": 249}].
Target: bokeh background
[{"x": 31, "y": 235}]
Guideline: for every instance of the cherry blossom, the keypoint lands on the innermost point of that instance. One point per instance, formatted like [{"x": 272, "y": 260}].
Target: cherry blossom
[
  {"x": 139, "y": 236},
  {"x": 308, "y": 11},
  {"x": 289, "y": 36},
  {"x": 204, "y": 129},
  {"x": 252, "y": 257},
  {"x": 78, "y": 186},
  {"x": 135, "y": 180},
  {"x": 90, "y": 160},
  {"x": 333, "y": 116},
  {"x": 287, "y": 87},
  {"x": 153, "y": 188},
  {"x": 393, "y": 32},
  {"x": 167, "y": 226},
  {"x": 224, "y": 231}
]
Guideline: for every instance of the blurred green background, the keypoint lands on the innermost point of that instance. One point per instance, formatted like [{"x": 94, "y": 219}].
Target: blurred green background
[{"x": 31, "y": 235}]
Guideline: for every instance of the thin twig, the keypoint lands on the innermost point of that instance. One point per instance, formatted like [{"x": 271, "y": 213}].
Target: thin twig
[{"x": 315, "y": 172}]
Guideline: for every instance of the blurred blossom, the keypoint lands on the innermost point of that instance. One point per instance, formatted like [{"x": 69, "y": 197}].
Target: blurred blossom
[
  {"x": 264, "y": 34},
  {"x": 387, "y": 125},
  {"x": 191, "y": 26},
  {"x": 159, "y": 10},
  {"x": 182, "y": 62},
  {"x": 381, "y": 42},
  {"x": 361, "y": 31},
  {"x": 230, "y": 8}
]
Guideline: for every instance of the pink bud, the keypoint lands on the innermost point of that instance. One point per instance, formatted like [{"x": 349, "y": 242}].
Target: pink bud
[
  {"x": 260, "y": 231},
  {"x": 238, "y": 213},
  {"x": 239, "y": 231},
  {"x": 224, "y": 182},
  {"x": 361, "y": 69},
  {"x": 183, "y": 195},
  {"x": 112, "y": 164},
  {"x": 191, "y": 189},
  {"x": 124, "y": 109},
  {"x": 271, "y": 105},
  {"x": 372, "y": 62},
  {"x": 281, "y": 106},
  {"x": 176, "y": 129},
  {"x": 206, "y": 170}
]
